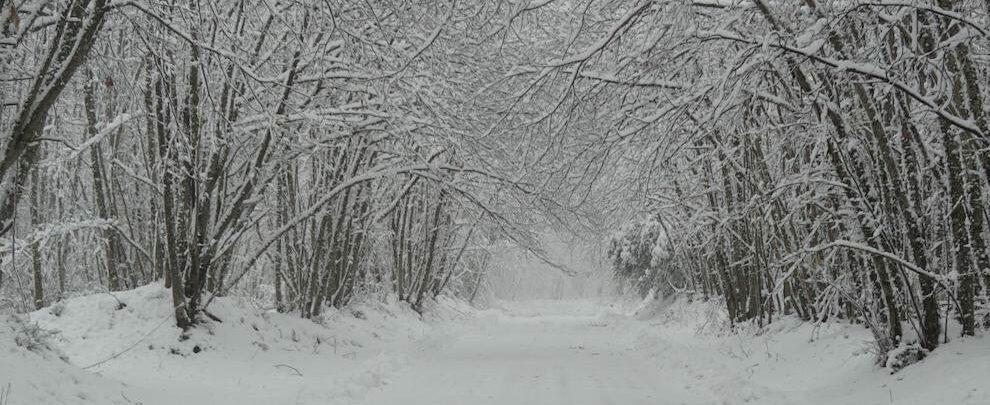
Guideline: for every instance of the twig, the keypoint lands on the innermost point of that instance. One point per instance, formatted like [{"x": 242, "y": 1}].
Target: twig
[
  {"x": 130, "y": 401},
  {"x": 290, "y": 367},
  {"x": 5, "y": 394}
]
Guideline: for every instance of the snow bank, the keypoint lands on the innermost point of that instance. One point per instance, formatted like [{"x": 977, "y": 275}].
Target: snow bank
[
  {"x": 251, "y": 356},
  {"x": 795, "y": 362},
  {"x": 34, "y": 372}
]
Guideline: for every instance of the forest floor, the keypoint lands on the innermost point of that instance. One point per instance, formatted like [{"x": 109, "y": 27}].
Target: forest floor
[{"x": 538, "y": 352}]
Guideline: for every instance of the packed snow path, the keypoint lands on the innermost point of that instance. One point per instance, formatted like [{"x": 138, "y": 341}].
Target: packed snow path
[{"x": 553, "y": 354}]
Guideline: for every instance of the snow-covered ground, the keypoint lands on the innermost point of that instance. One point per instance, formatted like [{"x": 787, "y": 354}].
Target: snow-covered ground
[
  {"x": 536, "y": 352},
  {"x": 679, "y": 353},
  {"x": 794, "y": 362},
  {"x": 33, "y": 373},
  {"x": 132, "y": 353},
  {"x": 540, "y": 353}
]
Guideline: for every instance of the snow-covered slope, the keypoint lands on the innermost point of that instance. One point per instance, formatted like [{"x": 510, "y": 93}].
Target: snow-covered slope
[
  {"x": 794, "y": 362},
  {"x": 252, "y": 356},
  {"x": 31, "y": 372}
]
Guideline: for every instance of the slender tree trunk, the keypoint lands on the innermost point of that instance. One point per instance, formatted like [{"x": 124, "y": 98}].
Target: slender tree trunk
[
  {"x": 36, "y": 261},
  {"x": 110, "y": 240}
]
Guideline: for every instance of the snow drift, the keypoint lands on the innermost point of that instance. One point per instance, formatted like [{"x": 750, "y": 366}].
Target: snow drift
[
  {"x": 124, "y": 347},
  {"x": 796, "y": 362}
]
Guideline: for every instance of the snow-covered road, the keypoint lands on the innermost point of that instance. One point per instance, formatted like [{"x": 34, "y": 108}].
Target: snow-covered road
[
  {"x": 520, "y": 353},
  {"x": 551, "y": 354}
]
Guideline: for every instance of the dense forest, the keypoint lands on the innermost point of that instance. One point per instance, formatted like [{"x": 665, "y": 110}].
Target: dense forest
[
  {"x": 826, "y": 159},
  {"x": 302, "y": 150},
  {"x": 834, "y": 165}
]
